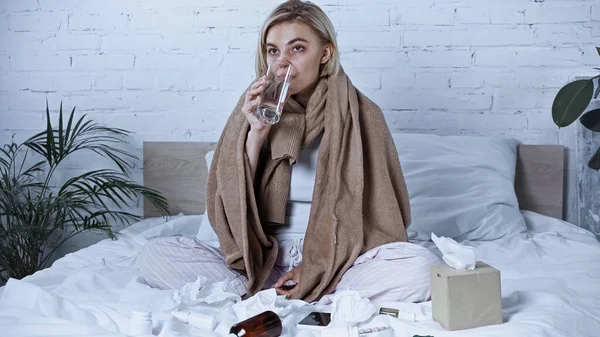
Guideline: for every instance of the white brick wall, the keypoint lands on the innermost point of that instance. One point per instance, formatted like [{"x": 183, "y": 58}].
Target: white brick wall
[
  {"x": 172, "y": 70},
  {"x": 596, "y": 13}
]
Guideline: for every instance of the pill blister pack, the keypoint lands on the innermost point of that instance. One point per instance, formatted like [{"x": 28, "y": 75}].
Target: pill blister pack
[{"x": 365, "y": 331}]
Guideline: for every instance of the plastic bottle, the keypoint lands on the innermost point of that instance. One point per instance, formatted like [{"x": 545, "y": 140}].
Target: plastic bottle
[
  {"x": 266, "y": 324},
  {"x": 140, "y": 323}
]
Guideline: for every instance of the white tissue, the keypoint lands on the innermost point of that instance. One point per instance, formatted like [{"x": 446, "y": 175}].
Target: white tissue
[
  {"x": 263, "y": 301},
  {"x": 349, "y": 309},
  {"x": 198, "y": 292},
  {"x": 174, "y": 328},
  {"x": 457, "y": 256},
  {"x": 196, "y": 319}
]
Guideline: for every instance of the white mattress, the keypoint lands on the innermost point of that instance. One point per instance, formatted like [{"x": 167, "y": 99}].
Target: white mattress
[{"x": 550, "y": 287}]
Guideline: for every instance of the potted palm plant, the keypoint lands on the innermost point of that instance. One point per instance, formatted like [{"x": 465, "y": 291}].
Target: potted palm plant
[
  {"x": 572, "y": 101},
  {"x": 37, "y": 218}
]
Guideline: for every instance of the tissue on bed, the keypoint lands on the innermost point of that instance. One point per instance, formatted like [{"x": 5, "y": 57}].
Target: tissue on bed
[
  {"x": 349, "y": 309},
  {"x": 263, "y": 301},
  {"x": 457, "y": 256},
  {"x": 197, "y": 292}
]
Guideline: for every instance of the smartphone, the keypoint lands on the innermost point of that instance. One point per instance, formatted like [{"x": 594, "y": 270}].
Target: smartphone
[{"x": 315, "y": 320}]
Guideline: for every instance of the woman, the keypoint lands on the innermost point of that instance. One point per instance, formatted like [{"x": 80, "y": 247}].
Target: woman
[{"x": 355, "y": 233}]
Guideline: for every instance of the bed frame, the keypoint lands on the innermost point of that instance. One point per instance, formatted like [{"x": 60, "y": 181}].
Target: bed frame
[{"x": 178, "y": 171}]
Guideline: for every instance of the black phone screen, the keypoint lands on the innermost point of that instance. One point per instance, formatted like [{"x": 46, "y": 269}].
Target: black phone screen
[{"x": 317, "y": 319}]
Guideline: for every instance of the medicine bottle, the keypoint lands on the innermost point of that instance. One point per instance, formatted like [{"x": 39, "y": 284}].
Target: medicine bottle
[{"x": 266, "y": 324}]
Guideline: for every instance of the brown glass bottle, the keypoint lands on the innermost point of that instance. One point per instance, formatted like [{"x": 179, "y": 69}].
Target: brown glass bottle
[{"x": 266, "y": 324}]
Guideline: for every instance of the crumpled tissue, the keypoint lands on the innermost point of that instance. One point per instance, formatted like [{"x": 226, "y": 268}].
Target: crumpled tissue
[
  {"x": 263, "y": 301},
  {"x": 198, "y": 292},
  {"x": 457, "y": 256},
  {"x": 349, "y": 309}
]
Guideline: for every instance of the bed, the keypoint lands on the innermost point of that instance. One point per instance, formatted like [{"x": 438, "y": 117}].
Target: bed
[{"x": 550, "y": 270}]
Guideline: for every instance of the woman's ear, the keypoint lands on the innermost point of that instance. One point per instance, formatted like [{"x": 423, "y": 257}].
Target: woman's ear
[{"x": 327, "y": 52}]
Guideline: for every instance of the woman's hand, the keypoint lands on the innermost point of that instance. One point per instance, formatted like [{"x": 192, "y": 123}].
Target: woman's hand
[
  {"x": 288, "y": 291},
  {"x": 259, "y": 131},
  {"x": 250, "y": 105}
]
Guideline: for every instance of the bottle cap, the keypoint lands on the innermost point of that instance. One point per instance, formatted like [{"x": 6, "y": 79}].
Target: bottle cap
[
  {"x": 389, "y": 311},
  {"x": 141, "y": 313}
]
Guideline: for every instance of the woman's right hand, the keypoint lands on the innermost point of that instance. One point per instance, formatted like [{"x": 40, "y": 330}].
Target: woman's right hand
[
  {"x": 250, "y": 105},
  {"x": 259, "y": 131},
  {"x": 282, "y": 289}
]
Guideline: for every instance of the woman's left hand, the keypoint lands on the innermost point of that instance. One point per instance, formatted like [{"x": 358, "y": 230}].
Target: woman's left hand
[{"x": 288, "y": 291}]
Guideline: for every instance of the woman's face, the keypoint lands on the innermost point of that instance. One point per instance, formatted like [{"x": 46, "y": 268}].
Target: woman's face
[{"x": 298, "y": 44}]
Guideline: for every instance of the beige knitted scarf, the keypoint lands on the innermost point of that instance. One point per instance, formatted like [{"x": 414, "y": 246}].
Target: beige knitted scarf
[{"x": 359, "y": 200}]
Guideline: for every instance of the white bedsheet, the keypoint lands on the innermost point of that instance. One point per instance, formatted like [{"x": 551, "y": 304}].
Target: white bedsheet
[{"x": 550, "y": 287}]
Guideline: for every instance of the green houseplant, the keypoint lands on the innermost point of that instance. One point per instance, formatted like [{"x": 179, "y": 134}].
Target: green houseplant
[
  {"x": 36, "y": 218},
  {"x": 570, "y": 103}
]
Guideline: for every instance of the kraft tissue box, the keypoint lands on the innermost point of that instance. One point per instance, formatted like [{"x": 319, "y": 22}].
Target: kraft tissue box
[{"x": 465, "y": 299}]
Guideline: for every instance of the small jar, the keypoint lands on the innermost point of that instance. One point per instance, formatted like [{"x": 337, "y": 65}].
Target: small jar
[
  {"x": 266, "y": 324},
  {"x": 140, "y": 323}
]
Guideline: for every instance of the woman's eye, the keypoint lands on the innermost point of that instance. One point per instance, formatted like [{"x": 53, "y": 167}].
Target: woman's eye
[
  {"x": 272, "y": 51},
  {"x": 298, "y": 48}
]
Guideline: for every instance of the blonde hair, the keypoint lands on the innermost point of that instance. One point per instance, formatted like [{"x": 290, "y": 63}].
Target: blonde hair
[{"x": 309, "y": 14}]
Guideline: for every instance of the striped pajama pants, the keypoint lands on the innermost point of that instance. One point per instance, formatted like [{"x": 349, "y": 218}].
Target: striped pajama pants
[{"x": 395, "y": 272}]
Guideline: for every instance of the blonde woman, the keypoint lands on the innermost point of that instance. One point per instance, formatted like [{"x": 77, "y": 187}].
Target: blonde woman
[{"x": 346, "y": 229}]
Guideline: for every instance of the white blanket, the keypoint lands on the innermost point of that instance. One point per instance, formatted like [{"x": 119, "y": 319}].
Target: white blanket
[{"x": 550, "y": 287}]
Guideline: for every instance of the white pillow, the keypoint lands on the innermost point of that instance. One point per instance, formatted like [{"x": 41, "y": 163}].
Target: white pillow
[
  {"x": 460, "y": 186},
  {"x": 206, "y": 233}
]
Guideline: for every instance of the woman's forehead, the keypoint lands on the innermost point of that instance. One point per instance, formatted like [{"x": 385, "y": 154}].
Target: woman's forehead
[{"x": 290, "y": 32}]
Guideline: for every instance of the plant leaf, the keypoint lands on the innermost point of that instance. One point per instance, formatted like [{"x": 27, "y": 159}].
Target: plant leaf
[
  {"x": 594, "y": 163},
  {"x": 50, "y": 144},
  {"x": 61, "y": 141},
  {"x": 591, "y": 120},
  {"x": 4, "y": 162},
  {"x": 571, "y": 101},
  {"x": 69, "y": 124},
  {"x": 36, "y": 147}
]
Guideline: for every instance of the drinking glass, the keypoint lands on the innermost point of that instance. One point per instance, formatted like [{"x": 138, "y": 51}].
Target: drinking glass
[{"x": 274, "y": 96}]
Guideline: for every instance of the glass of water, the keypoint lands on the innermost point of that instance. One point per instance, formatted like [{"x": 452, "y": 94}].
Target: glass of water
[{"x": 274, "y": 96}]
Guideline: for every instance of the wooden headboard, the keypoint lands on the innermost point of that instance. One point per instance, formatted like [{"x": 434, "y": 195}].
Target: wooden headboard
[
  {"x": 539, "y": 179},
  {"x": 178, "y": 171}
]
